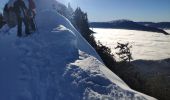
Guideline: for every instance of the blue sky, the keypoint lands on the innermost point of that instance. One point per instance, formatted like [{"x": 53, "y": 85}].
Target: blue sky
[
  {"x": 2, "y": 2},
  {"x": 137, "y": 10}
]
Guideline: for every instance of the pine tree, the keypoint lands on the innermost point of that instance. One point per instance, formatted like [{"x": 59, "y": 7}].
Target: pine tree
[
  {"x": 1, "y": 20},
  {"x": 81, "y": 23},
  {"x": 124, "y": 52}
]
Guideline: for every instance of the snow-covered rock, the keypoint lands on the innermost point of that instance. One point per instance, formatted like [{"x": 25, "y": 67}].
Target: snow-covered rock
[{"x": 56, "y": 63}]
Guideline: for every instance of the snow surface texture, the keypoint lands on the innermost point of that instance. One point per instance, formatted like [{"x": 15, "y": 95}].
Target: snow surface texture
[
  {"x": 145, "y": 45},
  {"x": 56, "y": 63}
]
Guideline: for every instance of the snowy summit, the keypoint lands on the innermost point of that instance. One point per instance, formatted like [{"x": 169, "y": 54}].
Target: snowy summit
[{"x": 56, "y": 63}]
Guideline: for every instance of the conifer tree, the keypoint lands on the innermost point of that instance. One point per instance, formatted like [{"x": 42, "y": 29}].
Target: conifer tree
[
  {"x": 124, "y": 52},
  {"x": 81, "y": 23},
  {"x": 1, "y": 20}
]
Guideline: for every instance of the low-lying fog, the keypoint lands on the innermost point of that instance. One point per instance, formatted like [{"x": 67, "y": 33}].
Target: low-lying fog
[{"x": 146, "y": 45}]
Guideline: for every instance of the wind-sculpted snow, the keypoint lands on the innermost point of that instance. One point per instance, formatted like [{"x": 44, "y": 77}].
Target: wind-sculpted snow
[
  {"x": 56, "y": 63},
  {"x": 90, "y": 83}
]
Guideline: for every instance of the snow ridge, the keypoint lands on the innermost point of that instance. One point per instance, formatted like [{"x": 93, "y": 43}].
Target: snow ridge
[{"x": 91, "y": 83}]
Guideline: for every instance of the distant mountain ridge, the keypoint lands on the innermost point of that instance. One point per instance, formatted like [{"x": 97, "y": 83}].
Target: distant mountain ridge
[
  {"x": 127, "y": 24},
  {"x": 162, "y": 25}
]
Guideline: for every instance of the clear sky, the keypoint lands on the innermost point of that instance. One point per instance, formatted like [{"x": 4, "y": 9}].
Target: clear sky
[
  {"x": 137, "y": 10},
  {"x": 2, "y": 2}
]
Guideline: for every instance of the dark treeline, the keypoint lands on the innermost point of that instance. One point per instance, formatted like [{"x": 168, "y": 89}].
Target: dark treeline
[{"x": 1, "y": 20}]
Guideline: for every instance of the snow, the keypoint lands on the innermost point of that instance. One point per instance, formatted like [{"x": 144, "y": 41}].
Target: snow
[
  {"x": 56, "y": 63},
  {"x": 167, "y": 30},
  {"x": 145, "y": 45}
]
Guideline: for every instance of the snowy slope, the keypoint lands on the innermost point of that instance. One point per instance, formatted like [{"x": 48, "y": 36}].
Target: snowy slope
[{"x": 56, "y": 63}]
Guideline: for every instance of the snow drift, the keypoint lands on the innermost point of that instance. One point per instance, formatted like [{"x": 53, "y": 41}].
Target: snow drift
[{"x": 56, "y": 63}]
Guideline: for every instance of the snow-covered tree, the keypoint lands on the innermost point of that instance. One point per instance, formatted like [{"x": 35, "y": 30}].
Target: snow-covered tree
[
  {"x": 64, "y": 10},
  {"x": 70, "y": 9}
]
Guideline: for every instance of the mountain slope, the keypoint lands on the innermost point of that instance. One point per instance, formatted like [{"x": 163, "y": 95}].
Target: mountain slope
[
  {"x": 126, "y": 24},
  {"x": 56, "y": 63}
]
